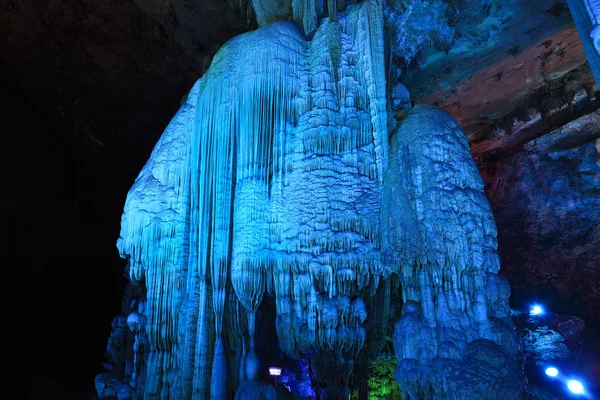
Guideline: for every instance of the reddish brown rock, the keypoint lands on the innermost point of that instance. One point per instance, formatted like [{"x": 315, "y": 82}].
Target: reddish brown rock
[{"x": 497, "y": 91}]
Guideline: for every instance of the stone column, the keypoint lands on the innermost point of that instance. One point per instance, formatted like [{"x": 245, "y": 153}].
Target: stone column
[{"x": 586, "y": 14}]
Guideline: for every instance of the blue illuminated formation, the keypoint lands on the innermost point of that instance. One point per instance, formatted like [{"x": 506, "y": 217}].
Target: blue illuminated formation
[
  {"x": 586, "y": 15},
  {"x": 551, "y": 371},
  {"x": 283, "y": 193}
]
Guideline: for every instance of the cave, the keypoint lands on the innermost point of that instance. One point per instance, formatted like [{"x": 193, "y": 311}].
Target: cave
[{"x": 300, "y": 199}]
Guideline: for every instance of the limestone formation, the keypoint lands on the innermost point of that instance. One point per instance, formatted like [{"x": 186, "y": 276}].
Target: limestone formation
[
  {"x": 586, "y": 15},
  {"x": 455, "y": 339},
  {"x": 269, "y": 200}
]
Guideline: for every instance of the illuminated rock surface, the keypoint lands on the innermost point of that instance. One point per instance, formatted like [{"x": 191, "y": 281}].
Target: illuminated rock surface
[
  {"x": 88, "y": 87},
  {"x": 562, "y": 342},
  {"x": 455, "y": 338},
  {"x": 269, "y": 182}
]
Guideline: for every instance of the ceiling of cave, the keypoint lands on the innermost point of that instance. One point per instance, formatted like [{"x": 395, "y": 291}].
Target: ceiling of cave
[{"x": 507, "y": 60}]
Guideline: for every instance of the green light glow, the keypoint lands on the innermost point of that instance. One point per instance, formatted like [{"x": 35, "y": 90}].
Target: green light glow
[{"x": 382, "y": 384}]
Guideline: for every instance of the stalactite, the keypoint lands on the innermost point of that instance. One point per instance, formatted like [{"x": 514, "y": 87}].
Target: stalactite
[{"x": 269, "y": 182}]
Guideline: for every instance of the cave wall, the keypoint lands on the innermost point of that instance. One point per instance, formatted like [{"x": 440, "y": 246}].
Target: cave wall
[{"x": 545, "y": 200}]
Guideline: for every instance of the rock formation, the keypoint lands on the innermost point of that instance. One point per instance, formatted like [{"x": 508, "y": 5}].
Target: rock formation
[
  {"x": 455, "y": 338},
  {"x": 272, "y": 181},
  {"x": 586, "y": 14}
]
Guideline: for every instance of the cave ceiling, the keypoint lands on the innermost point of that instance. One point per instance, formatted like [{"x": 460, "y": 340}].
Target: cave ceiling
[{"x": 505, "y": 61}]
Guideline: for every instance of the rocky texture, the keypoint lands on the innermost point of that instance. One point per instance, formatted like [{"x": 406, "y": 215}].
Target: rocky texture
[
  {"x": 440, "y": 232},
  {"x": 267, "y": 181},
  {"x": 458, "y": 54},
  {"x": 562, "y": 342},
  {"x": 549, "y": 338},
  {"x": 508, "y": 142},
  {"x": 500, "y": 54},
  {"x": 542, "y": 77},
  {"x": 86, "y": 90},
  {"x": 546, "y": 202},
  {"x": 586, "y": 14}
]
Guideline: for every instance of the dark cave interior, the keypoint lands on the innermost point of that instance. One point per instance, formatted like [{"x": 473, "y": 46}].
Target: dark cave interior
[{"x": 88, "y": 88}]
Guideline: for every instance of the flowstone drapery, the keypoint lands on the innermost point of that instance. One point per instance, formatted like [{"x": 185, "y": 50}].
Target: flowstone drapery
[{"x": 269, "y": 182}]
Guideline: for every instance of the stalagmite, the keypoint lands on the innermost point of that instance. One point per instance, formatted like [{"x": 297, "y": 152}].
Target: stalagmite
[
  {"x": 271, "y": 185},
  {"x": 455, "y": 339}
]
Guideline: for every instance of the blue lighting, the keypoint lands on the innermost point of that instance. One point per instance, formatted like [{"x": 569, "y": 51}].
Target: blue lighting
[
  {"x": 536, "y": 310},
  {"x": 575, "y": 387},
  {"x": 551, "y": 371}
]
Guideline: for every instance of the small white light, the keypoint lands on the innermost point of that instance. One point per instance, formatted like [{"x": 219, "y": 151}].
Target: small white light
[
  {"x": 536, "y": 310},
  {"x": 575, "y": 387},
  {"x": 274, "y": 371},
  {"x": 551, "y": 371}
]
